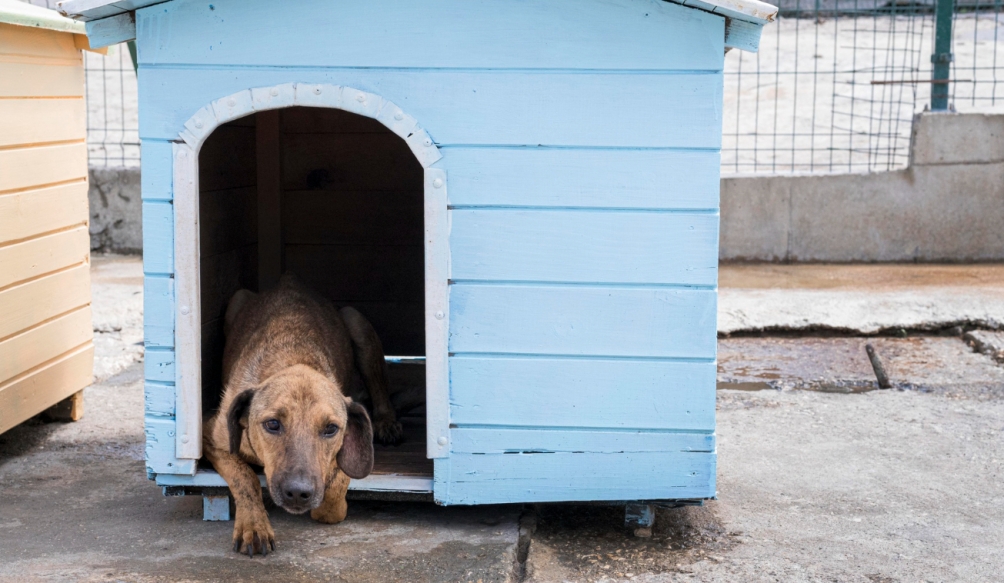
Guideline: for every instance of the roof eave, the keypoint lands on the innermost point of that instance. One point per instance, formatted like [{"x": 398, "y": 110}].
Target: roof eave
[{"x": 23, "y": 14}]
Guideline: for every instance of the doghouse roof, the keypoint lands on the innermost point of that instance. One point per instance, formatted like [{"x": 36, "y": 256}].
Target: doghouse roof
[
  {"x": 24, "y": 14},
  {"x": 743, "y": 18}
]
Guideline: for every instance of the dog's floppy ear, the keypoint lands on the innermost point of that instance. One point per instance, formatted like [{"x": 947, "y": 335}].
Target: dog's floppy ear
[
  {"x": 356, "y": 456},
  {"x": 238, "y": 413}
]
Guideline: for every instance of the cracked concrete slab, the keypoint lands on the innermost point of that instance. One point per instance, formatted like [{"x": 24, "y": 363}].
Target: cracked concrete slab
[
  {"x": 987, "y": 342},
  {"x": 922, "y": 362},
  {"x": 888, "y": 486}
]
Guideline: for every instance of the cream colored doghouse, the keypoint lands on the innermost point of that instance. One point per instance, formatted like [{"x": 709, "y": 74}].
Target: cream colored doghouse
[{"x": 46, "y": 353}]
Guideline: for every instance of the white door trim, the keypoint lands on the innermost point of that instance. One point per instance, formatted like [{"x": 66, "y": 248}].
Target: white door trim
[{"x": 188, "y": 319}]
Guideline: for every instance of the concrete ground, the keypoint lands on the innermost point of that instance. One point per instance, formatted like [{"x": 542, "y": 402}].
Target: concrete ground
[{"x": 820, "y": 478}]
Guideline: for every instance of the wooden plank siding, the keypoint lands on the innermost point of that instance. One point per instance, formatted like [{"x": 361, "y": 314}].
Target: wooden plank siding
[
  {"x": 40, "y": 388},
  {"x": 584, "y": 246},
  {"x": 38, "y": 256},
  {"x": 583, "y": 217},
  {"x": 31, "y": 120},
  {"x": 509, "y": 391},
  {"x": 583, "y": 475},
  {"x": 29, "y": 213},
  {"x": 484, "y": 108},
  {"x": 158, "y": 309},
  {"x": 46, "y": 350},
  {"x": 491, "y": 34}
]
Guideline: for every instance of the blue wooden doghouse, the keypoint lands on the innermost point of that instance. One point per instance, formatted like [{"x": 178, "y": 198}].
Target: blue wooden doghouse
[{"x": 522, "y": 196}]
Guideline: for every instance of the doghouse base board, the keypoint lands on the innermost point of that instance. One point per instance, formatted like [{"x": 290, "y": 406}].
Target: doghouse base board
[{"x": 372, "y": 483}]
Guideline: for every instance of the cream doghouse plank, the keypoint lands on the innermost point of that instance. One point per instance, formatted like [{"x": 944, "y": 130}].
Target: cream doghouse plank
[
  {"x": 585, "y": 246},
  {"x": 579, "y": 320},
  {"x": 22, "y": 168},
  {"x": 545, "y": 34},
  {"x": 41, "y": 343},
  {"x": 579, "y": 392},
  {"x": 550, "y": 108},
  {"x": 23, "y": 44},
  {"x": 29, "y": 303},
  {"x": 39, "y": 121},
  {"x": 36, "y": 257},
  {"x": 36, "y": 80},
  {"x": 43, "y": 388},
  {"x": 566, "y": 476},
  {"x": 577, "y": 177},
  {"x": 33, "y": 212}
]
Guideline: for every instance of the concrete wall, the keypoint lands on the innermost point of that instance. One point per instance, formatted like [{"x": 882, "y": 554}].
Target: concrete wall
[
  {"x": 115, "y": 205},
  {"x": 947, "y": 206}
]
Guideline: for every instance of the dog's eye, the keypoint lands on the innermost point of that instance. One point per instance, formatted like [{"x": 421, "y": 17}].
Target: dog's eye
[
  {"x": 273, "y": 426},
  {"x": 330, "y": 430}
]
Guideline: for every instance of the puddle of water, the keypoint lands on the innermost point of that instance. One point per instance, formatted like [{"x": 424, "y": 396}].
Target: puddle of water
[
  {"x": 745, "y": 386},
  {"x": 842, "y": 389},
  {"x": 847, "y": 389}
]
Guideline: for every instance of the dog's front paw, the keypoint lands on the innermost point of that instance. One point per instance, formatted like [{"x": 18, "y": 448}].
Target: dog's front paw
[
  {"x": 253, "y": 533},
  {"x": 388, "y": 432}
]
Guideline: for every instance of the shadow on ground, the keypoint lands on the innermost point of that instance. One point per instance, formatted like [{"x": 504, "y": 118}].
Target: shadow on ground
[{"x": 591, "y": 543}]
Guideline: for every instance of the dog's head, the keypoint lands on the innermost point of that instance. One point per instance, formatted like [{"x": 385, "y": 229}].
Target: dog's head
[{"x": 303, "y": 430}]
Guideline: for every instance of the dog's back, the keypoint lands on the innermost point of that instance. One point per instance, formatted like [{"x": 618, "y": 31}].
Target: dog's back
[{"x": 285, "y": 326}]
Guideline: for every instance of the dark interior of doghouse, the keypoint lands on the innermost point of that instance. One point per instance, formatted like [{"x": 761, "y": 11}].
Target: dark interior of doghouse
[{"x": 337, "y": 199}]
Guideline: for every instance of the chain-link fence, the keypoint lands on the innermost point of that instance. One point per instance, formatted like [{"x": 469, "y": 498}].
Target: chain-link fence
[
  {"x": 836, "y": 84},
  {"x": 112, "y": 113}
]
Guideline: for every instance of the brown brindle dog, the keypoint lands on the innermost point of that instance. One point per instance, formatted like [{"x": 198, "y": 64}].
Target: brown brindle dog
[{"x": 290, "y": 363}]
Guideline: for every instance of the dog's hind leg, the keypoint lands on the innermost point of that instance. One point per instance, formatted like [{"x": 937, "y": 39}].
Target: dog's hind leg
[{"x": 369, "y": 358}]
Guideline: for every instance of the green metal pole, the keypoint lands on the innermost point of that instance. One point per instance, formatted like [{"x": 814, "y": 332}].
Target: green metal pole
[
  {"x": 942, "y": 57},
  {"x": 132, "y": 54}
]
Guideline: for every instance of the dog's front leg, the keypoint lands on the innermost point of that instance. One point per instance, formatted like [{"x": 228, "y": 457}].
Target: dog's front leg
[
  {"x": 334, "y": 507},
  {"x": 252, "y": 530}
]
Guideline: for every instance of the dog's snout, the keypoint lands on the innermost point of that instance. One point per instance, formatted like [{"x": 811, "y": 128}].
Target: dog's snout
[{"x": 298, "y": 491}]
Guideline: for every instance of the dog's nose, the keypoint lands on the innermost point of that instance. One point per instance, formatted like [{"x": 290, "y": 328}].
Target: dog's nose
[{"x": 298, "y": 491}]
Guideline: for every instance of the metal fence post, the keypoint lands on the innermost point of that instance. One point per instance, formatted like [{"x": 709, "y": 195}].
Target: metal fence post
[{"x": 942, "y": 57}]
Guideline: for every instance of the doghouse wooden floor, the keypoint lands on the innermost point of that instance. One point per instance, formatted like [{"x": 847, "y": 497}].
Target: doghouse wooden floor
[
  {"x": 401, "y": 470},
  {"x": 407, "y": 459}
]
